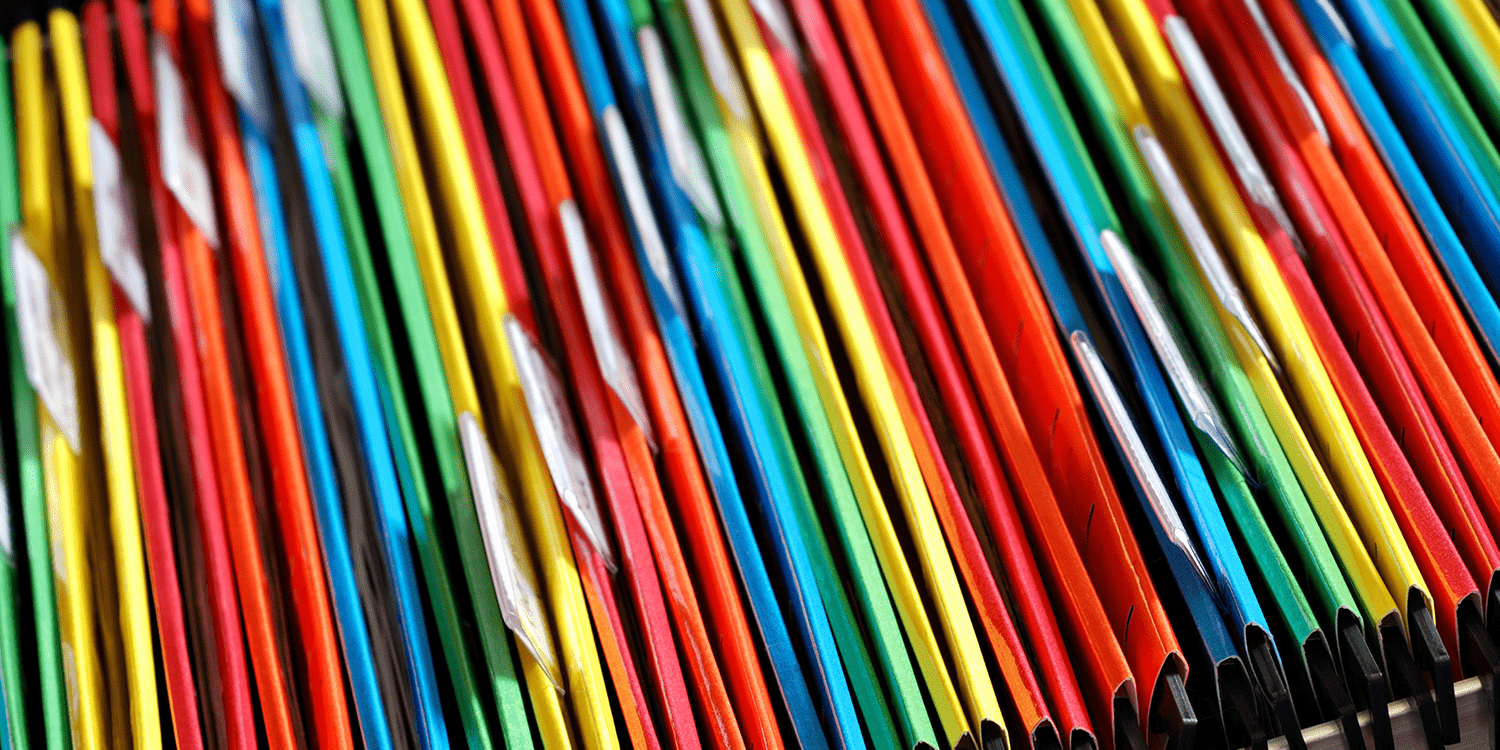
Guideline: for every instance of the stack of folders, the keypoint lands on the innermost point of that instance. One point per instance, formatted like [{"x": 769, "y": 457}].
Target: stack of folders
[{"x": 749, "y": 374}]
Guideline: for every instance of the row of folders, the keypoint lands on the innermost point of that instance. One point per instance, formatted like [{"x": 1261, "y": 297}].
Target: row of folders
[{"x": 749, "y": 374}]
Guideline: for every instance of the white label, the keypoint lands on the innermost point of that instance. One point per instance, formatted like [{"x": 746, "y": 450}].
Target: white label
[
  {"x": 1136, "y": 455},
  {"x": 182, "y": 166},
  {"x": 312, "y": 55},
  {"x": 1338, "y": 22},
  {"x": 6, "y": 544},
  {"x": 773, "y": 15},
  {"x": 638, "y": 203},
  {"x": 553, "y": 420},
  {"x": 1151, "y": 310},
  {"x": 614, "y": 363},
  {"x": 1221, "y": 117},
  {"x": 240, "y": 59},
  {"x": 505, "y": 548},
  {"x": 721, "y": 70},
  {"x": 119, "y": 246},
  {"x": 1287, "y": 71},
  {"x": 43, "y": 323},
  {"x": 682, "y": 148},
  {"x": 1198, "y": 238}
]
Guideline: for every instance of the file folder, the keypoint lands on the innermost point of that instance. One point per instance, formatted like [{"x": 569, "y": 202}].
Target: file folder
[
  {"x": 717, "y": 95},
  {"x": 346, "y": 502},
  {"x": 697, "y": 512},
  {"x": 1382, "y": 362},
  {"x": 1439, "y": 470},
  {"x": 950, "y": 508},
  {"x": 62, "y": 462},
  {"x": 545, "y": 526},
  {"x": 1164, "y": 84},
  {"x": 1469, "y": 446},
  {"x": 1111, "y": 267},
  {"x": 1470, "y": 38},
  {"x": 196, "y": 513},
  {"x": 614, "y": 481},
  {"x": 619, "y": 441},
  {"x": 426, "y": 287},
  {"x": 132, "y": 310},
  {"x": 114, "y": 420},
  {"x": 1416, "y": 44},
  {"x": 394, "y": 239},
  {"x": 1458, "y": 175},
  {"x": 1110, "y": 94},
  {"x": 251, "y": 212},
  {"x": 28, "y": 491},
  {"x": 19, "y": 449},
  {"x": 666, "y": 301},
  {"x": 976, "y": 216}
]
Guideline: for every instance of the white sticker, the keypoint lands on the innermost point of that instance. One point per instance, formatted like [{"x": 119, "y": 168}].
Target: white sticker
[
  {"x": 312, "y": 55},
  {"x": 1338, "y": 22},
  {"x": 1151, "y": 310},
  {"x": 1221, "y": 117},
  {"x": 721, "y": 70},
  {"x": 638, "y": 203},
  {"x": 683, "y": 155},
  {"x": 1287, "y": 71},
  {"x": 773, "y": 15},
  {"x": 6, "y": 544},
  {"x": 43, "y": 323},
  {"x": 182, "y": 166},
  {"x": 552, "y": 419},
  {"x": 614, "y": 363},
  {"x": 240, "y": 59},
  {"x": 1198, "y": 239},
  {"x": 505, "y": 547},
  {"x": 1136, "y": 455},
  {"x": 119, "y": 246}
]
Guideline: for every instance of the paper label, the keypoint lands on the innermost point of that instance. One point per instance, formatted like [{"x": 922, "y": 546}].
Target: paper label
[
  {"x": 683, "y": 155},
  {"x": 1221, "y": 117},
  {"x": 1338, "y": 22},
  {"x": 1152, "y": 312},
  {"x": 43, "y": 323},
  {"x": 6, "y": 545},
  {"x": 505, "y": 548},
  {"x": 312, "y": 55},
  {"x": 1198, "y": 239},
  {"x": 1136, "y": 456},
  {"x": 240, "y": 59},
  {"x": 614, "y": 363},
  {"x": 721, "y": 70},
  {"x": 183, "y": 168},
  {"x": 119, "y": 246},
  {"x": 552, "y": 418},
  {"x": 638, "y": 203},
  {"x": 774, "y": 16}
]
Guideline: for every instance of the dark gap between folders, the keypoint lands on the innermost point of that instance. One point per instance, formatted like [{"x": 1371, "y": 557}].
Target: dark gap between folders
[{"x": 377, "y": 598}]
